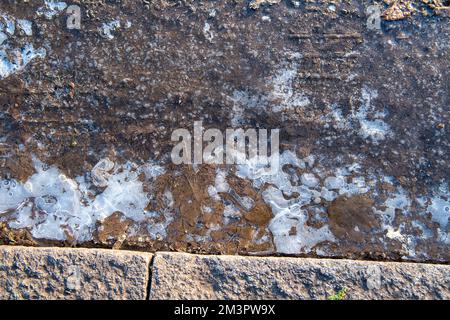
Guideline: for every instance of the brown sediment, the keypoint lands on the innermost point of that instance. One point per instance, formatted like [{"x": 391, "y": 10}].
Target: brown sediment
[
  {"x": 15, "y": 237},
  {"x": 260, "y": 214},
  {"x": 398, "y": 10},
  {"x": 113, "y": 229},
  {"x": 402, "y": 9},
  {"x": 352, "y": 218},
  {"x": 190, "y": 193}
]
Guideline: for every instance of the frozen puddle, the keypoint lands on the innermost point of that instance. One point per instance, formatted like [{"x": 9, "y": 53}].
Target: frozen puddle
[
  {"x": 56, "y": 207},
  {"x": 86, "y": 116}
]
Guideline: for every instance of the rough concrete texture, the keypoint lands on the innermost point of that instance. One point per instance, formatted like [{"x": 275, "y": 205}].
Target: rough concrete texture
[
  {"x": 53, "y": 273},
  {"x": 232, "y": 277}
]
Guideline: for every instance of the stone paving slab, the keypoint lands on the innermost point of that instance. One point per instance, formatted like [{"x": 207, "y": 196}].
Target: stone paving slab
[
  {"x": 54, "y": 273},
  {"x": 184, "y": 276}
]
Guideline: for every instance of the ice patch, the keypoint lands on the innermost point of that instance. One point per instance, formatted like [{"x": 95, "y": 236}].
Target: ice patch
[
  {"x": 289, "y": 229},
  {"x": 284, "y": 95},
  {"x": 230, "y": 213},
  {"x": 309, "y": 180},
  {"x": 371, "y": 123},
  {"x": 375, "y": 129},
  {"x": 399, "y": 200},
  {"x": 51, "y": 8},
  {"x": 221, "y": 184},
  {"x": 26, "y": 26},
  {"x": 22, "y": 58},
  {"x": 10, "y": 27},
  {"x": 333, "y": 183},
  {"x": 340, "y": 122},
  {"x": 107, "y": 29},
  {"x": 394, "y": 234},
  {"x": 7, "y": 27},
  {"x": 56, "y": 203},
  {"x": 100, "y": 173},
  {"x": 56, "y": 207},
  {"x": 242, "y": 101},
  {"x": 440, "y": 211},
  {"x": 3, "y": 38},
  {"x": 293, "y": 236},
  {"x": 124, "y": 193},
  {"x": 207, "y": 32},
  {"x": 158, "y": 231},
  {"x": 440, "y": 208}
]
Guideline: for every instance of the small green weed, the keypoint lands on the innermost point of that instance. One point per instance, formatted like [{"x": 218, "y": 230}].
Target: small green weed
[{"x": 340, "y": 295}]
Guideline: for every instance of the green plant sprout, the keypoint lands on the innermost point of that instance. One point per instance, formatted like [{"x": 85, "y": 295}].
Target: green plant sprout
[{"x": 340, "y": 295}]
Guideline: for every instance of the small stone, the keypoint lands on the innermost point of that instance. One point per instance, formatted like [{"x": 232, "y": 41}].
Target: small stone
[{"x": 373, "y": 278}]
